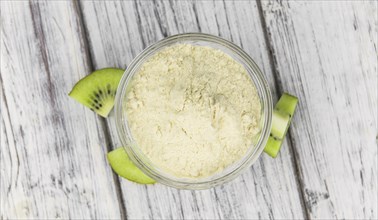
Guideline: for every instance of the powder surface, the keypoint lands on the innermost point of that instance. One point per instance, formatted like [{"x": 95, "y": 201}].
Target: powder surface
[{"x": 193, "y": 110}]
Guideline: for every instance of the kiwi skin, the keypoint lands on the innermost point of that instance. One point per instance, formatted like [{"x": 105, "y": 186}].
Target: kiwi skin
[{"x": 97, "y": 90}]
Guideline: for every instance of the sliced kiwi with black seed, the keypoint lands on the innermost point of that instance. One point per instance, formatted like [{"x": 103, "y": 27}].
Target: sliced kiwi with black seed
[
  {"x": 282, "y": 115},
  {"x": 98, "y": 89}
]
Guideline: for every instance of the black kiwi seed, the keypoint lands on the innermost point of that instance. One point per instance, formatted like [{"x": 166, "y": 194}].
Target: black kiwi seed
[{"x": 100, "y": 95}]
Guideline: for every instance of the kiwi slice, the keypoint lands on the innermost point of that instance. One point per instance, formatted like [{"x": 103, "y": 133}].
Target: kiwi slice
[
  {"x": 282, "y": 115},
  {"x": 97, "y": 90},
  {"x": 124, "y": 167}
]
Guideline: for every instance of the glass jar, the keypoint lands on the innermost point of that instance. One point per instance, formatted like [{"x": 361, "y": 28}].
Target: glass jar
[{"x": 233, "y": 170}]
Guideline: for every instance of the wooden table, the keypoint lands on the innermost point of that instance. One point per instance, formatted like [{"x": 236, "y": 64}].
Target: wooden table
[{"x": 53, "y": 150}]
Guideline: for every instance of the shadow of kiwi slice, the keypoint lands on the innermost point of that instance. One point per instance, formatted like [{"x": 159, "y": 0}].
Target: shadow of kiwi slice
[{"x": 97, "y": 90}]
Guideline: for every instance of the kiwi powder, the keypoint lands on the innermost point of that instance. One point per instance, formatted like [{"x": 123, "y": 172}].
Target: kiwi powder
[{"x": 193, "y": 110}]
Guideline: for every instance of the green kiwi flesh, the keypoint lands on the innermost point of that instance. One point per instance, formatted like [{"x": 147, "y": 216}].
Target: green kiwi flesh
[
  {"x": 282, "y": 115},
  {"x": 124, "y": 167},
  {"x": 97, "y": 90}
]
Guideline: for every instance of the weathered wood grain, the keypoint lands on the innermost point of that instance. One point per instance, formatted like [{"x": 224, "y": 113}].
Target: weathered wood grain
[
  {"x": 52, "y": 156},
  {"x": 118, "y": 31},
  {"x": 326, "y": 54}
]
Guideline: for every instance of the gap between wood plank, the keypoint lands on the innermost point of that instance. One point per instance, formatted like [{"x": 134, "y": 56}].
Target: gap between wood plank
[
  {"x": 279, "y": 89},
  {"x": 102, "y": 121}
]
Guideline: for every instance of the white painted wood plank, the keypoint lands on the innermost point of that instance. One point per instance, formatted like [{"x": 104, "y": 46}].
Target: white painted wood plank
[
  {"x": 326, "y": 53},
  {"x": 117, "y": 32},
  {"x": 52, "y": 156}
]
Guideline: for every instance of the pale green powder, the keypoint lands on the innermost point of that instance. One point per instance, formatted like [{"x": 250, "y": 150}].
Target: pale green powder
[{"x": 193, "y": 110}]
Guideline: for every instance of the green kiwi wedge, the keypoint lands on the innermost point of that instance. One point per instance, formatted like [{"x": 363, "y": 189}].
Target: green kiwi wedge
[
  {"x": 97, "y": 90},
  {"x": 124, "y": 167},
  {"x": 282, "y": 115}
]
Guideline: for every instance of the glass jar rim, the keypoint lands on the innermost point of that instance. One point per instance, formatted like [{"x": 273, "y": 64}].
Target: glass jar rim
[{"x": 233, "y": 170}]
